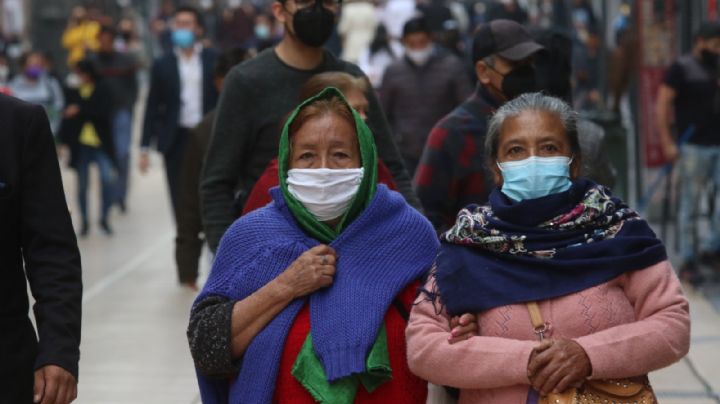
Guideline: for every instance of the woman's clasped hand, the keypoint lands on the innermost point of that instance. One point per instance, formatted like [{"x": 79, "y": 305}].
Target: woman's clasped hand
[{"x": 556, "y": 365}]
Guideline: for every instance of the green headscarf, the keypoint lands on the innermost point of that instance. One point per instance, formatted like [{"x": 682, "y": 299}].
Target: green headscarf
[
  {"x": 308, "y": 369},
  {"x": 321, "y": 231}
]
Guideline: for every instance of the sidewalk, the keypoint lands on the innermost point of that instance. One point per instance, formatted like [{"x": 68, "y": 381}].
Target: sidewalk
[{"x": 134, "y": 349}]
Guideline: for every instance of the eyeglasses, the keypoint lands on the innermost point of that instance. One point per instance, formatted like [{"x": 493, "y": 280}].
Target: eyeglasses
[{"x": 309, "y": 3}]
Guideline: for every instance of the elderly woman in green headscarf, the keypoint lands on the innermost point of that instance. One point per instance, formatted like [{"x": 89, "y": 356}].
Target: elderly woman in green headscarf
[{"x": 308, "y": 297}]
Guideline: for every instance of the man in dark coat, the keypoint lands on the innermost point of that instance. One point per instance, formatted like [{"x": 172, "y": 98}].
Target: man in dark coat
[
  {"x": 190, "y": 237},
  {"x": 37, "y": 242},
  {"x": 182, "y": 91}
]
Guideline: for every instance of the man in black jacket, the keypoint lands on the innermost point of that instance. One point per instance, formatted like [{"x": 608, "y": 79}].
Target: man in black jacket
[
  {"x": 182, "y": 91},
  {"x": 37, "y": 241}
]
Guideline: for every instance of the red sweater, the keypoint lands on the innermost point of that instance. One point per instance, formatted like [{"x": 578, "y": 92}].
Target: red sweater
[
  {"x": 260, "y": 194},
  {"x": 404, "y": 387}
]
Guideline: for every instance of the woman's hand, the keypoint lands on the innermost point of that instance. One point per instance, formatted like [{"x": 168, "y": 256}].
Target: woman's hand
[
  {"x": 556, "y": 365},
  {"x": 313, "y": 270},
  {"x": 462, "y": 328}
]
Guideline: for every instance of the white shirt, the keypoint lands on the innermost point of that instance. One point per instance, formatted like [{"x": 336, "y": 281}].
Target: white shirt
[{"x": 191, "y": 87}]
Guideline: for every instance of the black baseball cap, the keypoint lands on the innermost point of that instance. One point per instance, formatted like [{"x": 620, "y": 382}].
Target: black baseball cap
[{"x": 505, "y": 38}]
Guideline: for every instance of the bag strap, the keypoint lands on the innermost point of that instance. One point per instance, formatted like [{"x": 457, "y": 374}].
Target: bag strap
[{"x": 540, "y": 327}]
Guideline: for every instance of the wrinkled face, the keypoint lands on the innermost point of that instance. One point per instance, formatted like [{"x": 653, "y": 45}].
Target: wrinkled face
[
  {"x": 417, "y": 41},
  {"x": 325, "y": 141},
  {"x": 532, "y": 133},
  {"x": 358, "y": 102}
]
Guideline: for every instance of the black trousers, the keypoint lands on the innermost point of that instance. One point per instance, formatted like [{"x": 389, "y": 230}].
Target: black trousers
[{"x": 174, "y": 157}]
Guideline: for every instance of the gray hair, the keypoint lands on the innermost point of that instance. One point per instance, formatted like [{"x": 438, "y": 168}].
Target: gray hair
[{"x": 532, "y": 102}]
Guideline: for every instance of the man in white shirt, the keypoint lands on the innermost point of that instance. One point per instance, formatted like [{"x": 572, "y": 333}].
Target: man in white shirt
[{"x": 181, "y": 93}]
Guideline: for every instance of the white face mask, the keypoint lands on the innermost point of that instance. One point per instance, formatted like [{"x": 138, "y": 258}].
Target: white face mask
[
  {"x": 419, "y": 56},
  {"x": 326, "y": 193}
]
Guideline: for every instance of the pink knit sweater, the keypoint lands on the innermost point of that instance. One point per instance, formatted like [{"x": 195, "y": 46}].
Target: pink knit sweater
[{"x": 634, "y": 324}]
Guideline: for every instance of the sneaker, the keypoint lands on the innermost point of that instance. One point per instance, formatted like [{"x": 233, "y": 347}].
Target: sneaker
[
  {"x": 690, "y": 273},
  {"x": 105, "y": 226}
]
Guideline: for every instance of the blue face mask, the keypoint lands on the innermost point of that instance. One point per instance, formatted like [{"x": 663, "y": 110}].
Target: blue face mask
[
  {"x": 183, "y": 38},
  {"x": 262, "y": 31},
  {"x": 535, "y": 177}
]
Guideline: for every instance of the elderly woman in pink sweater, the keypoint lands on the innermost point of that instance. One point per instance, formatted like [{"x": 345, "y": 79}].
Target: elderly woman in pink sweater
[{"x": 612, "y": 305}]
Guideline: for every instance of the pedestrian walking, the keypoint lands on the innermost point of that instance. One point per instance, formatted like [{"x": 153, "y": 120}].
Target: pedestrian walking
[
  {"x": 39, "y": 248},
  {"x": 80, "y": 36},
  {"x": 119, "y": 73},
  {"x": 420, "y": 88},
  {"x": 375, "y": 59},
  {"x": 190, "y": 238},
  {"x": 452, "y": 171},
  {"x": 181, "y": 92},
  {"x": 284, "y": 343},
  {"x": 692, "y": 91},
  {"x": 87, "y": 130},
  {"x": 254, "y": 100},
  {"x": 35, "y": 85},
  {"x": 357, "y": 25},
  {"x": 572, "y": 289}
]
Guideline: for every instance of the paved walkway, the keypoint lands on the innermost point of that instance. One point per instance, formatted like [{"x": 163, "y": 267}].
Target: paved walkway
[{"x": 133, "y": 348}]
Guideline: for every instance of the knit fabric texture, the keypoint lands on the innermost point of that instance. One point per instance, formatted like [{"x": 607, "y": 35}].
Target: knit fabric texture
[{"x": 384, "y": 249}]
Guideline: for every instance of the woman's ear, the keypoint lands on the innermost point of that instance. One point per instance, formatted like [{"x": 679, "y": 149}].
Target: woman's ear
[
  {"x": 496, "y": 173},
  {"x": 575, "y": 168}
]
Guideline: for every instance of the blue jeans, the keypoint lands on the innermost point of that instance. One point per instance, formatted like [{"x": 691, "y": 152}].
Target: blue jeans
[
  {"x": 87, "y": 155},
  {"x": 122, "y": 136},
  {"x": 699, "y": 167}
]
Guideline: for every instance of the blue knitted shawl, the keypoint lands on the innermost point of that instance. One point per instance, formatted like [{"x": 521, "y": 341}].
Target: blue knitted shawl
[{"x": 383, "y": 250}]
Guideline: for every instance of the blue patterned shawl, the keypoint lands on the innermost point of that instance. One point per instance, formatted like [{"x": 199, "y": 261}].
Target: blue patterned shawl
[{"x": 511, "y": 252}]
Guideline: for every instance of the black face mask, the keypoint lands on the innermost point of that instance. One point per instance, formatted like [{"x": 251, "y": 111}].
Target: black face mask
[
  {"x": 520, "y": 80},
  {"x": 709, "y": 59},
  {"x": 314, "y": 25}
]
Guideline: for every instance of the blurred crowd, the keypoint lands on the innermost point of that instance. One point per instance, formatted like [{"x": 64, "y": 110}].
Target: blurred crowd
[{"x": 115, "y": 54}]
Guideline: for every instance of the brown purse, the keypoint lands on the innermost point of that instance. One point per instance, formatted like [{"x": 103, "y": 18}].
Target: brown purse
[{"x": 634, "y": 390}]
